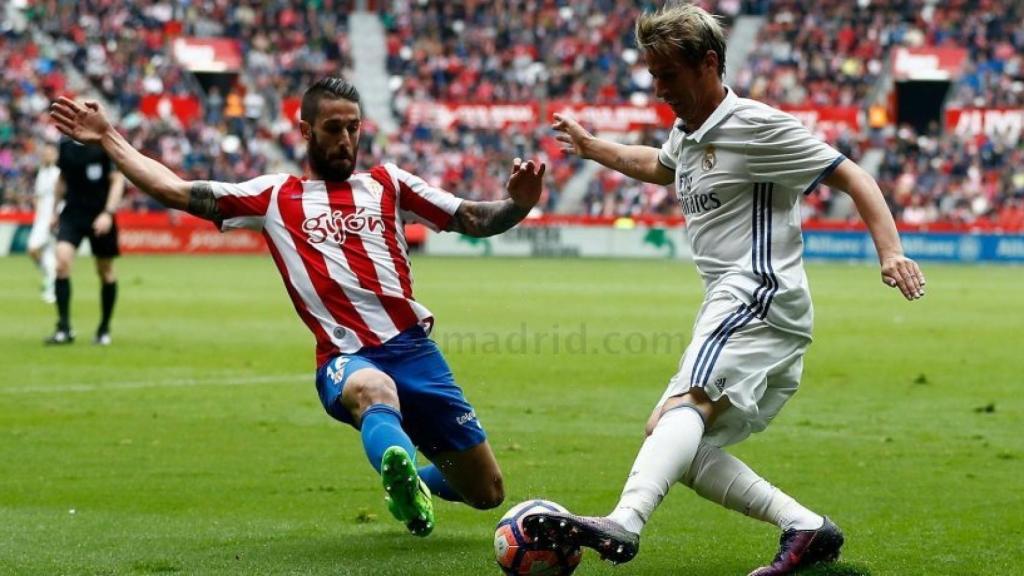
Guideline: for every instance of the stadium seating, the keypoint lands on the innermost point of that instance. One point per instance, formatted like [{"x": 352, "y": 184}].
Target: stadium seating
[
  {"x": 31, "y": 79},
  {"x": 819, "y": 54},
  {"x": 928, "y": 178}
]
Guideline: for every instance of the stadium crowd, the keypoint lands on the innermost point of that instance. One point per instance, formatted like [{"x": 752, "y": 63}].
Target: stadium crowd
[
  {"x": 939, "y": 177},
  {"x": 31, "y": 80},
  {"x": 833, "y": 52},
  {"x": 825, "y": 52},
  {"x": 125, "y": 50}
]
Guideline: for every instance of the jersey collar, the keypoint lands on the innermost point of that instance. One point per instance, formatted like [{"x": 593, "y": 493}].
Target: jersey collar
[{"x": 723, "y": 110}]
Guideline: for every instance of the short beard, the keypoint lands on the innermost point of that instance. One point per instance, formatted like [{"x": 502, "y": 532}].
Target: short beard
[{"x": 321, "y": 165}]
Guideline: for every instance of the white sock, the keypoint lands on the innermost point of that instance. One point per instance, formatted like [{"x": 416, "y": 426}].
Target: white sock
[
  {"x": 724, "y": 479},
  {"x": 48, "y": 266},
  {"x": 663, "y": 459}
]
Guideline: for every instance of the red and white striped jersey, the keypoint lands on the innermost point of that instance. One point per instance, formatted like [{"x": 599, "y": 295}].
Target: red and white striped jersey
[{"x": 340, "y": 248}]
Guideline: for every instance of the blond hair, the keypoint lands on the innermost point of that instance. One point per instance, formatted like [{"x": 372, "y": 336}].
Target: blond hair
[{"x": 681, "y": 30}]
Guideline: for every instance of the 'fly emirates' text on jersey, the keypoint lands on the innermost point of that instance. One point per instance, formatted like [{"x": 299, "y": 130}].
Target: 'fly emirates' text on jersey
[
  {"x": 739, "y": 179},
  {"x": 340, "y": 248}
]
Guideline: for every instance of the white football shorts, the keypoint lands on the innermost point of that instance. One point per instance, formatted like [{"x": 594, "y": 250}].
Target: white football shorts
[
  {"x": 41, "y": 233},
  {"x": 734, "y": 353}
]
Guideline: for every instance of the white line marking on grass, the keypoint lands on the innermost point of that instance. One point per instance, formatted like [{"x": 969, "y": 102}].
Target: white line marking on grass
[{"x": 226, "y": 380}]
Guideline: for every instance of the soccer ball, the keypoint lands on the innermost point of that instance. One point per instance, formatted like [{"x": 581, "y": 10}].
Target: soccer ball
[{"x": 520, "y": 556}]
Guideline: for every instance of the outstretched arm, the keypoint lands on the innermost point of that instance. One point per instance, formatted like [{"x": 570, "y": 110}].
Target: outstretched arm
[
  {"x": 87, "y": 123},
  {"x": 897, "y": 270},
  {"x": 489, "y": 218},
  {"x": 639, "y": 162}
]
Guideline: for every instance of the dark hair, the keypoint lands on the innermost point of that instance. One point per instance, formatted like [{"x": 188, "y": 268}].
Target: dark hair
[{"x": 330, "y": 87}]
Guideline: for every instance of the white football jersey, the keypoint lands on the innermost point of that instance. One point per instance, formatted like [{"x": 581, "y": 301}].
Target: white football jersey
[
  {"x": 46, "y": 184},
  {"x": 739, "y": 179}
]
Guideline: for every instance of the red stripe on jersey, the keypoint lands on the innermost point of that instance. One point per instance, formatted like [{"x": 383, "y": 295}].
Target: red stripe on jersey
[
  {"x": 341, "y": 198},
  {"x": 422, "y": 207},
  {"x": 235, "y": 206},
  {"x": 325, "y": 349},
  {"x": 391, "y": 231},
  {"x": 289, "y": 202}
]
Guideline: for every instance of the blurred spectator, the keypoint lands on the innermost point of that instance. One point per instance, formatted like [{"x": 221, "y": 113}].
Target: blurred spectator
[
  {"x": 31, "y": 78},
  {"x": 818, "y": 53},
  {"x": 931, "y": 177}
]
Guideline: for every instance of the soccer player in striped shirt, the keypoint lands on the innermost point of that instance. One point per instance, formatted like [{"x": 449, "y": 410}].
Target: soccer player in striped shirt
[
  {"x": 739, "y": 168},
  {"x": 337, "y": 240}
]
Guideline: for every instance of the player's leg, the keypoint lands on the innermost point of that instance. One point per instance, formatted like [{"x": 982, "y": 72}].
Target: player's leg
[
  {"x": 354, "y": 390},
  {"x": 62, "y": 291},
  {"x": 663, "y": 459},
  {"x": 105, "y": 248},
  {"x": 48, "y": 263},
  {"x": 370, "y": 397},
  {"x": 444, "y": 425},
  {"x": 38, "y": 237},
  {"x": 666, "y": 455},
  {"x": 807, "y": 538},
  {"x": 720, "y": 477},
  {"x": 108, "y": 297},
  {"x": 685, "y": 411},
  {"x": 471, "y": 476},
  {"x": 42, "y": 251}
]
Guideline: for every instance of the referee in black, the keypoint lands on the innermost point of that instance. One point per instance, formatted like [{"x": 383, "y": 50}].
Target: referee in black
[{"x": 91, "y": 188}]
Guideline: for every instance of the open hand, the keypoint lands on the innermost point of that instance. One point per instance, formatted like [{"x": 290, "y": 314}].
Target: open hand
[
  {"x": 85, "y": 121},
  {"x": 571, "y": 135},
  {"x": 526, "y": 183}
]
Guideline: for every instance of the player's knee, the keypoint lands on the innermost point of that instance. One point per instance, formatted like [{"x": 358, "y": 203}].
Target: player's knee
[
  {"x": 369, "y": 387},
  {"x": 652, "y": 421},
  {"x": 64, "y": 259},
  {"x": 63, "y": 267},
  {"x": 489, "y": 494},
  {"x": 699, "y": 401},
  {"x": 105, "y": 270}
]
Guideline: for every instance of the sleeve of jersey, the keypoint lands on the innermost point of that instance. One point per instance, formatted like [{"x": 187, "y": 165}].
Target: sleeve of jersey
[
  {"x": 667, "y": 155},
  {"x": 245, "y": 205},
  {"x": 425, "y": 203},
  {"x": 786, "y": 153}
]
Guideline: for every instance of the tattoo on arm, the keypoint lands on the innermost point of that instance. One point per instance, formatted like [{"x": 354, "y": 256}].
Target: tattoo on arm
[
  {"x": 202, "y": 202},
  {"x": 482, "y": 219},
  {"x": 628, "y": 165}
]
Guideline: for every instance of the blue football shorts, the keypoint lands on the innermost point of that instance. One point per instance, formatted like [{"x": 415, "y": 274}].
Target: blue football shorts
[{"x": 435, "y": 414}]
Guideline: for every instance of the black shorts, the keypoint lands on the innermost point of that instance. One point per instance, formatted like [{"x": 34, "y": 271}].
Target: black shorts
[{"x": 73, "y": 227}]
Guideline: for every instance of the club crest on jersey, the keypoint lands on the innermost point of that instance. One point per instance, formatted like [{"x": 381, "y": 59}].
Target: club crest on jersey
[
  {"x": 337, "y": 225},
  {"x": 707, "y": 162}
]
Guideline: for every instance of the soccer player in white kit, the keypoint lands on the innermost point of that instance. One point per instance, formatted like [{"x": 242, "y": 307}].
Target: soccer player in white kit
[
  {"x": 41, "y": 245},
  {"x": 739, "y": 168}
]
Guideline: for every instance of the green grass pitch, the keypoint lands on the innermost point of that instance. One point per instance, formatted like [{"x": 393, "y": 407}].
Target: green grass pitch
[{"x": 196, "y": 443}]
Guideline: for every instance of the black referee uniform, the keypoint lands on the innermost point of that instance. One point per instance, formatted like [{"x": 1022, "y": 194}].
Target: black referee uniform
[{"x": 87, "y": 173}]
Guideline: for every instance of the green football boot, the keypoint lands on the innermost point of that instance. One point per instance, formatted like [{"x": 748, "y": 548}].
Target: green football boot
[{"x": 408, "y": 497}]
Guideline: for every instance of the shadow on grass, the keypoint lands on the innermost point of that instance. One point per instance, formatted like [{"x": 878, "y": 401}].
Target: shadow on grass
[
  {"x": 372, "y": 553},
  {"x": 837, "y": 569}
]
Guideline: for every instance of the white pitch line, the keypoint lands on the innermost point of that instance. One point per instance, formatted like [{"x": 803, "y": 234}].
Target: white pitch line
[{"x": 178, "y": 383}]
